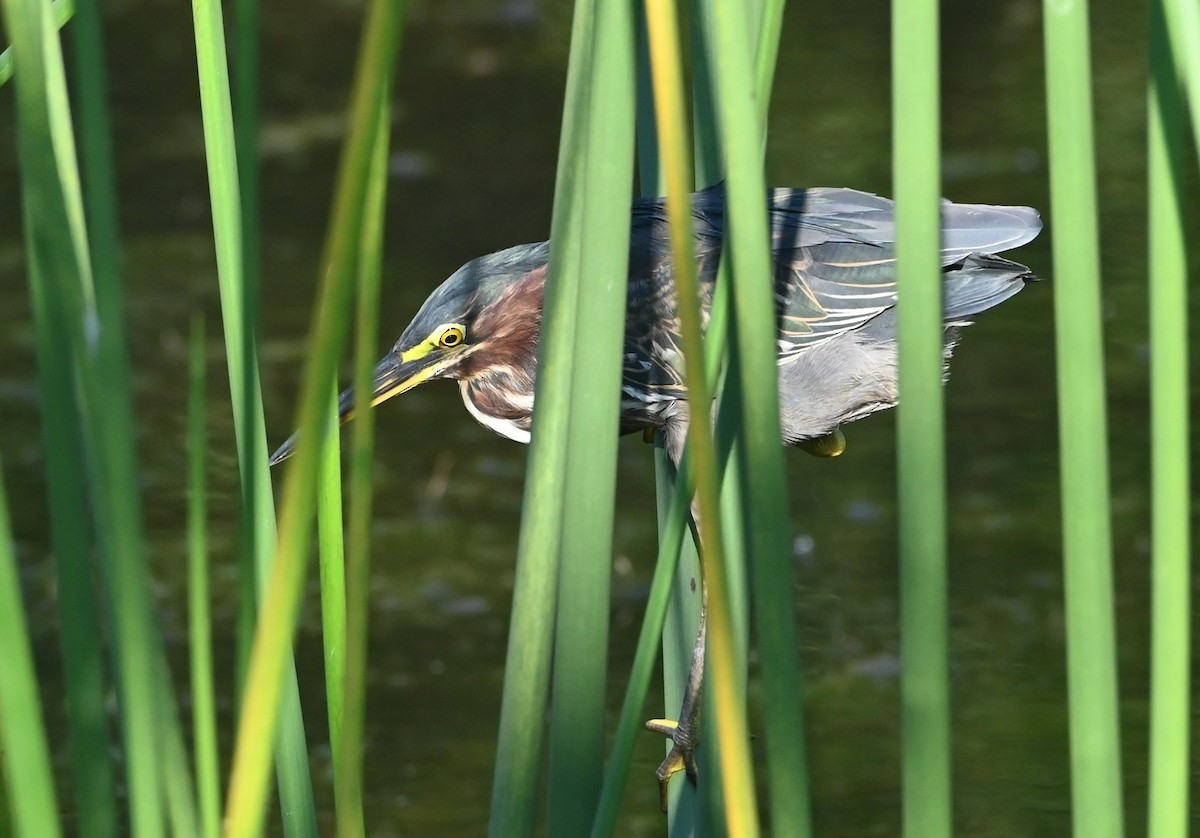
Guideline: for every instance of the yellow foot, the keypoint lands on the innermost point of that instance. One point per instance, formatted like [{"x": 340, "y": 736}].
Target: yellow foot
[
  {"x": 681, "y": 757},
  {"x": 830, "y": 445}
]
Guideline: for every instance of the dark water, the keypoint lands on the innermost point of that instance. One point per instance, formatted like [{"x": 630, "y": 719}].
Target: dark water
[{"x": 478, "y": 105}]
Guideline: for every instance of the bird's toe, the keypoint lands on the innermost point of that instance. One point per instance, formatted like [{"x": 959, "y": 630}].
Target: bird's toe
[{"x": 681, "y": 757}]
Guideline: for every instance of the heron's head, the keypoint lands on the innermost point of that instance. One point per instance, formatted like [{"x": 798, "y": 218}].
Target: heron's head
[{"x": 487, "y": 315}]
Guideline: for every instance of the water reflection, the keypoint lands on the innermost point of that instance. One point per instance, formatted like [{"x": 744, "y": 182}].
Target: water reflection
[{"x": 478, "y": 105}]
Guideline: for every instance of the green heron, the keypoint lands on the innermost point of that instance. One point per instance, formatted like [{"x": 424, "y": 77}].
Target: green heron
[{"x": 835, "y": 283}]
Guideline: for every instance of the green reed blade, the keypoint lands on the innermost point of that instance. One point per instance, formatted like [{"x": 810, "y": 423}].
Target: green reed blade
[
  {"x": 789, "y": 791},
  {"x": 58, "y": 256},
  {"x": 764, "y": 20},
  {"x": 63, "y": 11},
  {"x": 254, "y": 548},
  {"x": 100, "y": 202},
  {"x": 277, "y": 620},
  {"x": 677, "y": 563},
  {"x": 920, "y": 421},
  {"x": 204, "y": 711},
  {"x": 604, "y": 162},
  {"x": 349, "y": 781},
  {"x": 672, "y": 132},
  {"x": 179, "y": 791},
  {"x": 761, "y": 468},
  {"x": 331, "y": 548},
  {"x": 1182, "y": 21},
  {"x": 79, "y": 618},
  {"x": 6, "y": 816},
  {"x": 245, "y": 109},
  {"x": 766, "y": 56},
  {"x": 650, "y": 180},
  {"x": 1083, "y": 441},
  {"x": 95, "y": 789},
  {"x": 80, "y": 626},
  {"x": 535, "y": 588},
  {"x": 727, "y": 45},
  {"x": 673, "y": 513},
  {"x": 238, "y": 307},
  {"x": 24, "y": 752},
  {"x": 1170, "y": 709},
  {"x": 682, "y": 618},
  {"x": 680, "y": 630}
]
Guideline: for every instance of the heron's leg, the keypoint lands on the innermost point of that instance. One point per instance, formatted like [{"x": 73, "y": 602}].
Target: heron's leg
[{"x": 684, "y": 733}]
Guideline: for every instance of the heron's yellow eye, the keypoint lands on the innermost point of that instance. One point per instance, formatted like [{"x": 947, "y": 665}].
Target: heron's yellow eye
[{"x": 450, "y": 336}]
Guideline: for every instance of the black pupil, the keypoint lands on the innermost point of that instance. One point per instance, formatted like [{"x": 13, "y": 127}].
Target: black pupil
[{"x": 450, "y": 338}]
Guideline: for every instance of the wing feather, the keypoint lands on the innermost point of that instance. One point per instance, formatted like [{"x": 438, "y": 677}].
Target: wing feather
[{"x": 834, "y": 252}]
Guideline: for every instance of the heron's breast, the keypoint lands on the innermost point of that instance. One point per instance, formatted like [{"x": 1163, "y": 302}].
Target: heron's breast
[{"x": 506, "y": 410}]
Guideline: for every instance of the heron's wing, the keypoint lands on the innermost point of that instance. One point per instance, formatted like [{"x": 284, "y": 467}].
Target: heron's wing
[
  {"x": 835, "y": 270},
  {"x": 653, "y": 370},
  {"x": 801, "y": 217},
  {"x": 835, "y": 260}
]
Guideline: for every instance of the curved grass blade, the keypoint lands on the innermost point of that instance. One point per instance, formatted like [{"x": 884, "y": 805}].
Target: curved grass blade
[
  {"x": 238, "y": 304},
  {"x": 277, "y": 620},
  {"x": 349, "y": 781}
]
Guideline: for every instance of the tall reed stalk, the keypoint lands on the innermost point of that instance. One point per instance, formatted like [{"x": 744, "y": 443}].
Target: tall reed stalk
[
  {"x": 1087, "y": 548},
  {"x": 920, "y": 423},
  {"x": 604, "y": 178},
  {"x": 349, "y": 780},
  {"x": 280, "y": 607},
  {"x": 1170, "y": 692},
  {"x": 564, "y": 556},
  {"x": 204, "y": 712},
  {"x": 83, "y": 313},
  {"x": 239, "y": 305},
  {"x": 24, "y": 752},
  {"x": 675, "y": 145},
  {"x": 83, "y": 660}
]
